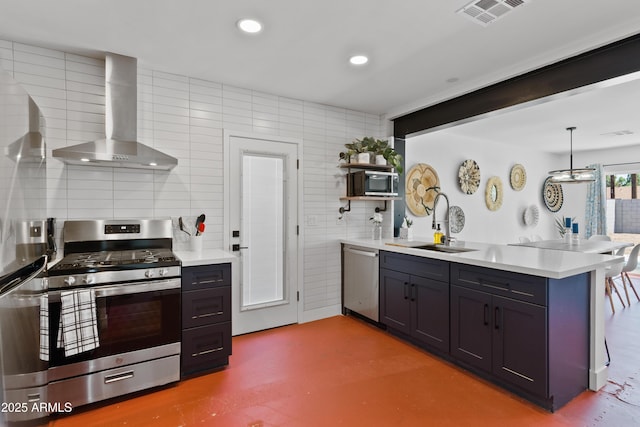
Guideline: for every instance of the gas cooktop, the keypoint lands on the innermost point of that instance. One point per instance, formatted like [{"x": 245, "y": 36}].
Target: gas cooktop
[{"x": 91, "y": 262}]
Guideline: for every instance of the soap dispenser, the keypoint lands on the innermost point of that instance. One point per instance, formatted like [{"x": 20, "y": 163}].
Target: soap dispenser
[{"x": 437, "y": 236}]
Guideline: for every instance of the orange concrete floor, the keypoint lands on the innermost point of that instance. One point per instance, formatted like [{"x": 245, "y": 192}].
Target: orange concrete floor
[{"x": 343, "y": 372}]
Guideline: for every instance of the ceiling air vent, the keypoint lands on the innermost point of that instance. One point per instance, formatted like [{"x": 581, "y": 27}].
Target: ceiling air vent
[{"x": 484, "y": 12}]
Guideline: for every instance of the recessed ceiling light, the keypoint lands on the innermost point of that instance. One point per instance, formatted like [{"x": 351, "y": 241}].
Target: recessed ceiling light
[
  {"x": 358, "y": 60},
  {"x": 249, "y": 26}
]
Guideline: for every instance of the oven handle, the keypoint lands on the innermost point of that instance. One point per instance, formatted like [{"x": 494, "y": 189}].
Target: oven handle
[{"x": 131, "y": 288}]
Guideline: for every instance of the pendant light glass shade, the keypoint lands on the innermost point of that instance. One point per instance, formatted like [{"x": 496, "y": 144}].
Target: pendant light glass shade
[{"x": 571, "y": 175}]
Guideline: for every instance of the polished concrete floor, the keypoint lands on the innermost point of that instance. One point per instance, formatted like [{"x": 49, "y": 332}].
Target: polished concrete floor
[{"x": 343, "y": 372}]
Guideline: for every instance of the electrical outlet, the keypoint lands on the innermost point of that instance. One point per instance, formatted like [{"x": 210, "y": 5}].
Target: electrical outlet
[{"x": 311, "y": 220}]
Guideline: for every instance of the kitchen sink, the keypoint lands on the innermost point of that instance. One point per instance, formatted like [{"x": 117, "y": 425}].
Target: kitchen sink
[{"x": 447, "y": 249}]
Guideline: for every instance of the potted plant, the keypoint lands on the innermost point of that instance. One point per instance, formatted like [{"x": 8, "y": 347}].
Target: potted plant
[
  {"x": 357, "y": 148},
  {"x": 380, "y": 148},
  {"x": 405, "y": 229}
]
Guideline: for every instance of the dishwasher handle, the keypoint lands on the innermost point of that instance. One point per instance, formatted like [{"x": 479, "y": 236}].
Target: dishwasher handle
[{"x": 359, "y": 252}]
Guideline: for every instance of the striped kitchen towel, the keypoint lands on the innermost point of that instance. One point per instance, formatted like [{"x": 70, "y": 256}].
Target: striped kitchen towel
[
  {"x": 78, "y": 329},
  {"x": 44, "y": 327}
]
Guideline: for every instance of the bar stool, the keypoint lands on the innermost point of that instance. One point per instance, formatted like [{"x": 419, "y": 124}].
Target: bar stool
[
  {"x": 632, "y": 263},
  {"x": 610, "y": 273}
]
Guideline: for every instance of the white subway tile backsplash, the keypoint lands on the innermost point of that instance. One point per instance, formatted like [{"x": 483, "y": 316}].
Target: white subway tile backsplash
[{"x": 167, "y": 100}]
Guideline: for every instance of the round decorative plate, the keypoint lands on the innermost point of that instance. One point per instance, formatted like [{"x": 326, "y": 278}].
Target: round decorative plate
[
  {"x": 456, "y": 219},
  {"x": 531, "y": 215},
  {"x": 518, "y": 177},
  {"x": 552, "y": 195},
  {"x": 469, "y": 176},
  {"x": 421, "y": 186}
]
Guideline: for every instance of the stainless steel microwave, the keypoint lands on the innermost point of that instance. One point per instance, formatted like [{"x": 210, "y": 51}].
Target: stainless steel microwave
[{"x": 372, "y": 183}]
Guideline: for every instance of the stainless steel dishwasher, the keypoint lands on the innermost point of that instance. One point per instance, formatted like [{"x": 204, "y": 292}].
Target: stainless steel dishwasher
[{"x": 360, "y": 280}]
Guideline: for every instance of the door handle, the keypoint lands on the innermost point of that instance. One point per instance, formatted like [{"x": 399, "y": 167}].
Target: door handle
[
  {"x": 496, "y": 317},
  {"x": 486, "y": 314},
  {"x": 236, "y": 247}
]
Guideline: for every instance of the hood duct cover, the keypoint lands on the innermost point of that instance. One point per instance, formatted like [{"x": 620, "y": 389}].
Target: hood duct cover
[{"x": 120, "y": 148}]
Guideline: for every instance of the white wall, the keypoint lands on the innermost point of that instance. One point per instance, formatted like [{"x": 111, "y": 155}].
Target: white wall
[
  {"x": 185, "y": 117},
  {"x": 445, "y": 151}
]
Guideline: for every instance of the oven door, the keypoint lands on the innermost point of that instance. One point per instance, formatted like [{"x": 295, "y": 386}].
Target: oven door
[{"x": 133, "y": 319}]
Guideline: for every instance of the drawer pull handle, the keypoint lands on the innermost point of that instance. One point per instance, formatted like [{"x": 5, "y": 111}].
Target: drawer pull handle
[
  {"x": 206, "y": 282},
  {"x": 201, "y": 353},
  {"x": 217, "y": 313},
  {"x": 495, "y": 285},
  {"x": 33, "y": 397},
  {"x": 118, "y": 377}
]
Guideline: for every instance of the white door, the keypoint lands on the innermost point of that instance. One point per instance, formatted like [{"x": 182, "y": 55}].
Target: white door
[{"x": 262, "y": 228}]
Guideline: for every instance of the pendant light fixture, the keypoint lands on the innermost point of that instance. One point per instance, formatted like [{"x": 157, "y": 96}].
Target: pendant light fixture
[{"x": 571, "y": 175}]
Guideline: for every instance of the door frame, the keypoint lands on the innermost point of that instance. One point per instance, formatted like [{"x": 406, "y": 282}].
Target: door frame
[{"x": 226, "y": 151}]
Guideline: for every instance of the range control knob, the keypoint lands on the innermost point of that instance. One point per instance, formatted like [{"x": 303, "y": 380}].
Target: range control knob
[
  {"x": 89, "y": 279},
  {"x": 70, "y": 281},
  {"x": 148, "y": 273},
  {"x": 163, "y": 271}
]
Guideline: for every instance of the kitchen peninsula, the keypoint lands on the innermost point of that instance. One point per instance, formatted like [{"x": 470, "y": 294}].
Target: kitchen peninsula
[{"x": 528, "y": 319}]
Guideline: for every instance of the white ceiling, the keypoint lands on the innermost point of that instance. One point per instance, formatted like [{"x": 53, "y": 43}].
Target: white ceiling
[{"x": 415, "y": 46}]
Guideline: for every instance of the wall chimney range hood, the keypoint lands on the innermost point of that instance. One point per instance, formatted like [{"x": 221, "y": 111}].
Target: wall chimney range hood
[{"x": 120, "y": 148}]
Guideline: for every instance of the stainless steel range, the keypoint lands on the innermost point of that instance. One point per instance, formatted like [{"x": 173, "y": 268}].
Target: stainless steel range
[{"x": 114, "y": 311}]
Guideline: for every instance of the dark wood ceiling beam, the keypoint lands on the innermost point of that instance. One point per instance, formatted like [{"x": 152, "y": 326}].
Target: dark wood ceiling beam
[{"x": 614, "y": 60}]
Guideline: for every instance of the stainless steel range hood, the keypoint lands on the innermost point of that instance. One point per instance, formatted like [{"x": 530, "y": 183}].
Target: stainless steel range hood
[
  {"x": 31, "y": 146},
  {"x": 120, "y": 148}
]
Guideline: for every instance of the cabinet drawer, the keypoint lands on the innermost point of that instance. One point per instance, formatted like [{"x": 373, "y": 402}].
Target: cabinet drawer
[
  {"x": 522, "y": 287},
  {"x": 206, "y": 307},
  {"x": 206, "y": 276},
  {"x": 206, "y": 347},
  {"x": 418, "y": 266}
]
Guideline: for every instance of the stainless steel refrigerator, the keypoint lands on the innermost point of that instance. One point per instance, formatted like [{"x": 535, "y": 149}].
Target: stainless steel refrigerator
[{"x": 24, "y": 245}]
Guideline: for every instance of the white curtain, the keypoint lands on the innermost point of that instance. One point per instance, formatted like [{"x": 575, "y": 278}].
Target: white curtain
[{"x": 596, "y": 209}]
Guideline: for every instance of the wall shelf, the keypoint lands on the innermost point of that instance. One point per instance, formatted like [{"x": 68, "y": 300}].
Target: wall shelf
[{"x": 369, "y": 166}]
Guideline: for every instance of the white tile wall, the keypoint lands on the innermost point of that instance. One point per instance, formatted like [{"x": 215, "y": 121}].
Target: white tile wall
[{"x": 185, "y": 117}]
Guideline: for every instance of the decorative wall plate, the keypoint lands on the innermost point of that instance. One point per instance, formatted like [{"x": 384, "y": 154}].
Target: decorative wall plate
[
  {"x": 421, "y": 186},
  {"x": 552, "y": 195},
  {"x": 493, "y": 193},
  {"x": 518, "y": 177},
  {"x": 469, "y": 176},
  {"x": 531, "y": 215},
  {"x": 456, "y": 219}
]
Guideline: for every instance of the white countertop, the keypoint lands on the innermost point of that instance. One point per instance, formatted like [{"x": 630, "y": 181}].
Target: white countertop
[
  {"x": 207, "y": 256},
  {"x": 553, "y": 264}
]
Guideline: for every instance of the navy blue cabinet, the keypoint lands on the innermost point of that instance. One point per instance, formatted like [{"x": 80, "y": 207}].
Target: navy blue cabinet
[
  {"x": 206, "y": 318},
  {"x": 414, "y": 298},
  {"x": 528, "y": 333}
]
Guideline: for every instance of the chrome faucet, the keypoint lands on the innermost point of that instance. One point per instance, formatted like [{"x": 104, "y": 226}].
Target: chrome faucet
[{"x": 446, "y": 239}]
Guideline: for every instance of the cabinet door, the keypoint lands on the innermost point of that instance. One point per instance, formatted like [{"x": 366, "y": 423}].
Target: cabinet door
[
  {"x": 430, "y": 312},
  {"x": 520, "y": 344},
  {"x": 395, "y": 305},
  {"x": 471, "y": 327}
]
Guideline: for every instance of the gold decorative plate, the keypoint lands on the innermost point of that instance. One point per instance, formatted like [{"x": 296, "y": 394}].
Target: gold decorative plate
[
  {"x": 493, "y": 194},
  {"x": 469, "y": 176},
  {"x": 421, "y": 186},
  {"x": 518, "y": 177}
]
